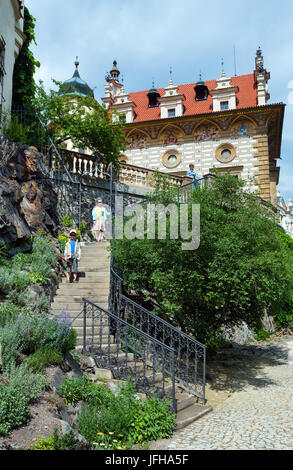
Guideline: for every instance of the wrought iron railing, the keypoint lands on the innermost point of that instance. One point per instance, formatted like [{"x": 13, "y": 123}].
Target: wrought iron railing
[
  {"x": 134, "y": 355},
  {"x": 190, "y": 355}
]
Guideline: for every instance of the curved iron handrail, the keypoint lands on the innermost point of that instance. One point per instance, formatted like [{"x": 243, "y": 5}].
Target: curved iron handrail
[
  {"x": 135, "y": 354},
  {"x": 190, "y": 354}
]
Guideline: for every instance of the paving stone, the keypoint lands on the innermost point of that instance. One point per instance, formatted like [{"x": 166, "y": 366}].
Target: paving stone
[{"x": 253, "y": 418}]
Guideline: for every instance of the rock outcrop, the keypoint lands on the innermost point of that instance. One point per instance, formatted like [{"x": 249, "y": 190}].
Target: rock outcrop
[{"x": 27, "y": 199}]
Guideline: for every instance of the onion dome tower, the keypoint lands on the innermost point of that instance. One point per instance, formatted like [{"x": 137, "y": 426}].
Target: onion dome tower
[
  {"x": 114, "y": 73},
  {"x": 201, "y": 90},
  {"x": 75, "y": 85},
  {"x": 153, "y": 96}
]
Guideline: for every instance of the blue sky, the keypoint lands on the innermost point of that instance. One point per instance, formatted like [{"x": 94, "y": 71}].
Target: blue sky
[{"x": 146, "y": 38}]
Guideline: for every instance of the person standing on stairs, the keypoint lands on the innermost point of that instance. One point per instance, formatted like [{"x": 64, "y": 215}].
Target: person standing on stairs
[
  {"x": 72, "y": 255},
  {"x": 99, "y": 214}
]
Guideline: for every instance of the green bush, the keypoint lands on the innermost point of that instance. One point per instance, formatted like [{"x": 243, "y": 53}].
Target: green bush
[
  {"x": 13, "y": 280},
  {"x": 22, "y": 299},
  {"x": 14, "y": 409},
  {"x": 76, "y": 389},
  {"x": 55, "y": 442},
  {"x": 28, "y": 333},
  {"x": 44, "y": 357},
  {"x": 8, "y": 312},
  {"x": 21, "y": 261},
  {"x": 242, "y": 267},
  {"x": 13, "y": 342},
  {"x": 41, "y": 304},
  {"x": 119, "y": 421},
  {"x": 69, "y": 341},
  {"x": 37, "y": 278},
  {"x": 67, "y": 221},
  {"x": 154, "y": 421},
  {"x": 21, "y": 379},
  {"x": 6, "y": 278},
  {"x": 14, "y": 130}
]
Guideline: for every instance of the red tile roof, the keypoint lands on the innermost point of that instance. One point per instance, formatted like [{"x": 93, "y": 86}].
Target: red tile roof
[{"x": 246, "y": 98}]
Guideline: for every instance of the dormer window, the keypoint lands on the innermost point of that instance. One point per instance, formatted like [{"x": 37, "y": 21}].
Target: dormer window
[
  {"x": 153, "y": 96},
  {"x": 201, "y": 91},
  {"x": 171, "y": 112},
  {"x": 224, "y": 105}
]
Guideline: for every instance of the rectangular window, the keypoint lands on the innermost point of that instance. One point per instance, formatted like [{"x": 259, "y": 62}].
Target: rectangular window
[
  {"x": 122, "y": 118},
  {"x": 171, "y": 112},
  {"x": 224, "y": 105}
]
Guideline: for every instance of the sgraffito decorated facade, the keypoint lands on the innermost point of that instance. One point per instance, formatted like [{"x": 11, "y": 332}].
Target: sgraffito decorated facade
[{"x": 226, "y": 124}]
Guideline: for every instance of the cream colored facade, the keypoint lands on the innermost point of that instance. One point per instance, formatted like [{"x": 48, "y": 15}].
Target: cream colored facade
[
  {"x": 225, "y": 124},
  {"x": 252, "y": 139},
  {"x": 11, "y": 40}
]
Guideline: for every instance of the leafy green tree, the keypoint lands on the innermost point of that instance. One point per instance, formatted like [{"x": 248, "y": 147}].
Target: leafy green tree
[
  {"x": 244, "y": 263},
  {"x": 82, "y": 120}
]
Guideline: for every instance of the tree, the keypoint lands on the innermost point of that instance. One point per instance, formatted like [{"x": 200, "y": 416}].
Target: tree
[
  {"x": 244, "y": 263},
  {"x": 82, "y": 120}
]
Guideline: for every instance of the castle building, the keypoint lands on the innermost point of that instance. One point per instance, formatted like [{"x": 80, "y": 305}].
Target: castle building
[
  {"x": 11, "y": 41},
  {"x": 226, "y": 124},
  {"x": 286, "y": 214}
]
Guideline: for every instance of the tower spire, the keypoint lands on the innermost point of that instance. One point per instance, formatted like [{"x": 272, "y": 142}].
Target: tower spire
[
  {"x": 114, "y": 73},
  {"x": 76, "y": 72}
]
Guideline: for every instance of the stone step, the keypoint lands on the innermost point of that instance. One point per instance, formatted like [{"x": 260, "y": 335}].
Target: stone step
[
  {"x": 99, "y": 299},
  {"x": 74, "y": 311},
  {"x": 94, "y": 268},
  {"x": 78, "y": 322},
  {"x": 184, "y": 400},
  {"x": 78, "y": 296},
  {"x": 190, "y": 414},
  {"x": 98, "y": 338}
]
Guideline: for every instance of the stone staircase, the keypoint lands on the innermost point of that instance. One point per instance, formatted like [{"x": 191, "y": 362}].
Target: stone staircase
[{"x": 94, "y": 285}]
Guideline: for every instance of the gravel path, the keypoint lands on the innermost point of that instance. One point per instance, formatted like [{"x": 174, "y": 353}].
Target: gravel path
[{"x": 257, "y": 416}]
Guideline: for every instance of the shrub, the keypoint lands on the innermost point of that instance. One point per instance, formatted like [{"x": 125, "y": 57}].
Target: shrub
[
  {"x": 41, "y": 304},
  {"x": 21, "y": 299},
  {"x": 21, "y": 261},
  {"x": 24, "y": 381},
  {"x": 37, "y": 278},
  {"x": 13, "y": 280},
  {"x": 76, "y": 389},
  {"x": 67, "y": 221},
  {"x": 6, "y": 277},
  {"x": 44, "y": 357},
  {"x": 14, "y": 409},
  {"x": 8, "y": 312},
  {"x": 13, "y": 341},
  {"x": 28, "y": 333},
  {"x": 155, "y": 421},
  {"x": 55, "y": 442},
  {"x": 242, "y": 267},
  {"x": 122, "y": 420},
  {"x": 15, "y": 130},
  {"x": 62, "y": 239},
  {"x": 43, "y": 331}
]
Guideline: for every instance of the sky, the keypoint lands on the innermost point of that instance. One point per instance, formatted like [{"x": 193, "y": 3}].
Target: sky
[{"x": 147, "y": 38}]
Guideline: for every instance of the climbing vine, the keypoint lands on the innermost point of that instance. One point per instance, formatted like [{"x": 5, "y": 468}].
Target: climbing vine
[{"x": 24, "y": 86}]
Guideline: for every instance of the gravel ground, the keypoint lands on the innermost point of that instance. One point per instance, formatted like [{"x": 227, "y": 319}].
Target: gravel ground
[
  {"x": 42, "y": 422},
  {"x": 252, "y": 401}
]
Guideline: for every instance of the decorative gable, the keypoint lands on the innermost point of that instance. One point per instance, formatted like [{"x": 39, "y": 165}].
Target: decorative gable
[
  {"x": 224, "y": 95},
  {"x": 171, "y": 102}
]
